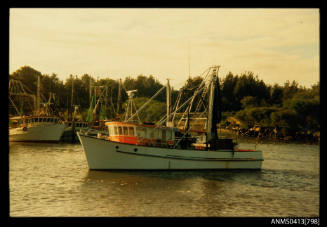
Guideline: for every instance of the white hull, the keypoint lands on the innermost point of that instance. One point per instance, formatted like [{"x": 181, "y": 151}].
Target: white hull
[
  {"x": 42, "y": 132},
  {"x": 104, "y": 154}
]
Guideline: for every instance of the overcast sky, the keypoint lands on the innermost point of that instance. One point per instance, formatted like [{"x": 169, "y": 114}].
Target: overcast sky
[{"x": 275, "y": 44}]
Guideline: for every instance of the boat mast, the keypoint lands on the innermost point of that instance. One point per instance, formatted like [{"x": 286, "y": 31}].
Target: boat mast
[
  {"x": 130, "y": 106},
  {"x": 90, "y": 90},
  {"x": 214, "y": 114},
  {"x": 72, "y": 99},
  {"x": 169, "y": 122},
  {"x": 119, "y": 99},
  {"x": 38, "y": 95}
]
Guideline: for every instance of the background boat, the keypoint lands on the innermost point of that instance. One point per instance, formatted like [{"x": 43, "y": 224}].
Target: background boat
[{"x": 41, "y": 126}]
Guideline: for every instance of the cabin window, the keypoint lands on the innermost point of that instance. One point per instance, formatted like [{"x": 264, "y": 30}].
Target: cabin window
[
  {"x": 168, "y": 134},
  {"x": 140, "y": 131},
  {"x": 156, "y": 133},
  {"x": 115, "y": 130},
  {"x": 120, "y": 130},
  {"x": 111, "y": 130},
  {"x": 163, "y": 135},
  {"x": 131, "y": 131},
  {"x": 125, "y": 130},
  {"x": 151, "y": 133}
]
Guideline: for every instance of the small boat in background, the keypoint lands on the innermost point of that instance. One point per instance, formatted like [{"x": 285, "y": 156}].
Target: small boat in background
[
  {"x": 133, "y": 145},
  {"x": 36, "y": 129},
  {"x": 41, "y": 126}
]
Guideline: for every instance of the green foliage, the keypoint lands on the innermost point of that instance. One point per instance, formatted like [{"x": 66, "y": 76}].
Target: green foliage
[
  {"x": 249, "y": 101},
  {"x": 256, "y": 115},
  {"x": 308, "y": 112},
  {"x": 236, "y": 88},
  {"x": 153, "y": 112},
  {"x": 245, "y": 97},
  {"x": 276, "y": 95},
  {"x": 145, "y": 86},
  {"x": 284, "y": 118}
]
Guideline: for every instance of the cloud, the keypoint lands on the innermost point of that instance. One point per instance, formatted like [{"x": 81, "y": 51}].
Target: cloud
[{"x": 270, "y": 42}]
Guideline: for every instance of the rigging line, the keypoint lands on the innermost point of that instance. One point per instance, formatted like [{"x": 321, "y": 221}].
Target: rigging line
[
  {"x": 137, "y": 114},
  {"x": 200, "y": 87},
  {"x": 142, "y": 107},
  {"x": 178, "y": 99},
  {"x": 14, "y": 106},
  {"x": 185, "y": 133},
  {"x": 164, "y": 118}
]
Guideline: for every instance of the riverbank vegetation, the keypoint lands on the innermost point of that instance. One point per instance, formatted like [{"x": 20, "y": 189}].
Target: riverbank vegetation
[{"x": 249, "y": 105}]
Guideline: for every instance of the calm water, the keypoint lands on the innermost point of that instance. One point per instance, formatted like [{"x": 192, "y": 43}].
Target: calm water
[{"x": 54, "y": 180}]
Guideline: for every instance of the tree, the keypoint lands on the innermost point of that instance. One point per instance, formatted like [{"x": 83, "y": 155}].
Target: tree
[
  {"x": 28, "y": 76},
  {"x": 276, "y": 95},
  {"x": 285, "y": 118},
  {"x": 229, "y": 102},
  {"x": 249, "y": 101}
]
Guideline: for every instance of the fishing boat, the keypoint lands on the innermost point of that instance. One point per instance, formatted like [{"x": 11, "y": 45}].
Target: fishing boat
[
  {"x": 133, "y": 145},
  {"x": 42, "y": 126},
  {"x": 36, "y": 129}
]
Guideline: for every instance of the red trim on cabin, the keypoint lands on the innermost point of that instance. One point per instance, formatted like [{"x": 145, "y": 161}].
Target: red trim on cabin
[{"x": 124, "y": 139}]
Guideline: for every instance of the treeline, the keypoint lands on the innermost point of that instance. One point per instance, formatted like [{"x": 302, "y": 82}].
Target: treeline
[
  {"x": 146, "y": 87},
  {"x": 244, "y": 97},
  {"x": 290, "y": 110}
]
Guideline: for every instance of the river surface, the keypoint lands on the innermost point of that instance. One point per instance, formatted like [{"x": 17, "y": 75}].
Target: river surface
[{"x": 53, "y": 180}]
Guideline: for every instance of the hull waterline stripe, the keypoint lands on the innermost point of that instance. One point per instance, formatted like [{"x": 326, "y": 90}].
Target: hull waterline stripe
[{"x": 190, "y": 158}]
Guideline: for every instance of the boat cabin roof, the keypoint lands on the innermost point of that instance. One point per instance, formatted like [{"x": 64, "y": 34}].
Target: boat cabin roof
[
  {"x": 29, "y": 117},
  {"x": 118, "y": 123}
]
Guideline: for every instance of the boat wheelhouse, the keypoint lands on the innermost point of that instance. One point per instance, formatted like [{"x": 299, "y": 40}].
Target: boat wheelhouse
[
  {"x": 78, "y": 124},
  {"x": 32, "y": 120},
  {"x": 141, "y": 134}
]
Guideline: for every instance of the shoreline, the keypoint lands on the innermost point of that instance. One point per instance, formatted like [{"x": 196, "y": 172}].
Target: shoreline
[{"x": 229, "y": 133}]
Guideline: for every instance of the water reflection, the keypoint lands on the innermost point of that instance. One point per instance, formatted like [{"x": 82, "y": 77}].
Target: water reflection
[
  {"x": 163, "y": 193},
  {"x": 54, "y": 180}
]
